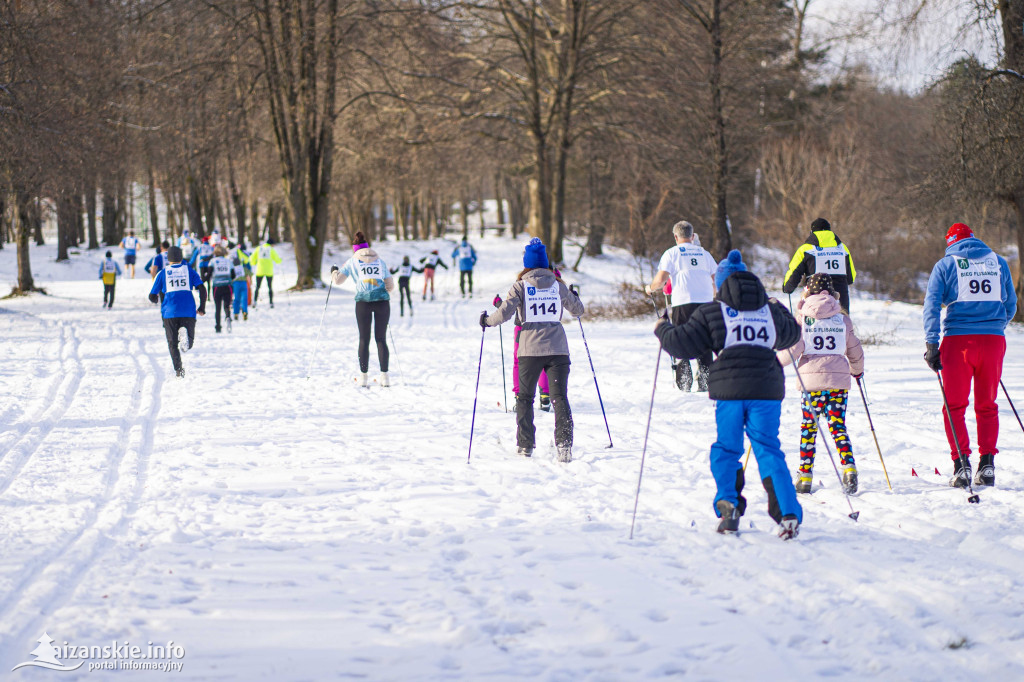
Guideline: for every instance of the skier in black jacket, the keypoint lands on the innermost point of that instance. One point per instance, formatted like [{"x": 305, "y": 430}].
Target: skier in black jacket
[
  {"x": 745, "y": 328},
  {"x": 823, "y": 252}
]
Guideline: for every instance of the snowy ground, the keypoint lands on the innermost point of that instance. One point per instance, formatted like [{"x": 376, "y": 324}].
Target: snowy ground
[{"x": 285, "y": 529}]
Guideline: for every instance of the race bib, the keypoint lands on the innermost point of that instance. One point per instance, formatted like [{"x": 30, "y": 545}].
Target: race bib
[
  {"x": 221, "y": 267},
  {"x": 748, "y": 327},
  {"x": 831, "y": 261},
  {"x": 978, "y": 280},
  {"x": 405, "y": 271},
  {"x": 371, "y": 274},
  {"x": 542, "y": 305},
  {"x": 264, "y": 252},
  {"x": 205, "y": 251},
  {"x": 131, "y": 243},
  {"x": 690, "y": 257},
  {"x": 825, "y": 337},
  {"x": 465, "y": 252},
  {"x": 109, "y": 266},
  {"x": 177, "y": 278},
  {"x": 432, "y": 260}
]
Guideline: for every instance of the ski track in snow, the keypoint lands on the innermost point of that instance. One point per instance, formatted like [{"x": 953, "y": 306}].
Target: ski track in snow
[{"x": 281, "y": 528}]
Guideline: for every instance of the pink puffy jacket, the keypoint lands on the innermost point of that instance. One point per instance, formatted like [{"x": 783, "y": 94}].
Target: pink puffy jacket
[{"x": 825, "y": 372}]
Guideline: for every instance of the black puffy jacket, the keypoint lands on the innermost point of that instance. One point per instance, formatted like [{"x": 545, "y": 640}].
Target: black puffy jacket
[{"x": 744, "y": 372}]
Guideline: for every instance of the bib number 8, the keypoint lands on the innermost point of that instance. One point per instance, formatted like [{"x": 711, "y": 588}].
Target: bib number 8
[
  {"x": 982, "y": 286},
  {"x": 541, "y": 309},
  {"x": 693, "y": 262},
  {"x": 748, "y": 333},
  {"x": 824, "y": 342}
]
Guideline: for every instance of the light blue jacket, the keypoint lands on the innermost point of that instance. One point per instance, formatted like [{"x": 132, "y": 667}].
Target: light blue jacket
[
  {"x": 465, "y": 263},
  {"x": 966, "y": 317}
]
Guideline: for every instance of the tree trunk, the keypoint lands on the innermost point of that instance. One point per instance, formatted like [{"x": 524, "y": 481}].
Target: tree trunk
[
  {"x": 722, "y": 240},
  {"x": 464, "y": 204},
  {"x": 273, "y": 218},
  {"x": 382, "y": 228},
  {"x": 90, "y": 213},
  {"x": 154, "y": 216},
  {"x": 109, "y": 216},
  {"x": 21, "y": 234},
  {"x": 254, "y": 223},
  {"x": 65, "y": 225},
  {"x": 1011, "y": 14},
  {"x": 37, "y": 221},
  {"x": 195, "y": 212},
  {"x": 498, "y": 199}
]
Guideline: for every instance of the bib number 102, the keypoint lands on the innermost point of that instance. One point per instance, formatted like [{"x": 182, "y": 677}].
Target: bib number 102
[
  {"x": 541, "y": 309},
  {"x": 982, "y": 286},
  {"x": 750, "y": 334}
]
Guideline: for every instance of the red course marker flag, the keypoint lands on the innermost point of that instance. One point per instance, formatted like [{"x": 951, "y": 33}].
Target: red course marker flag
[
  {"x": 937, "y": 471},
  {"x": 912, "y": 472}
]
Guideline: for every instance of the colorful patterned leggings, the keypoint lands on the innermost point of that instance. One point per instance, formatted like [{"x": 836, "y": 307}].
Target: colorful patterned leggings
[{"x": 831, "y": 405}]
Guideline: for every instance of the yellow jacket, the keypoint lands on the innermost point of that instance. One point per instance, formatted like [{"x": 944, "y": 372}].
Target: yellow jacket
[{"x": 263, "y": 258}]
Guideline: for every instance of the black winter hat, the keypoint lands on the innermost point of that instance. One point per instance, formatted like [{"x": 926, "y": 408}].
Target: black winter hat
[
  {"x": 819, "y": 282},
  {"x": 174, "y": 254},
  {"x": 820, "y": 224}
]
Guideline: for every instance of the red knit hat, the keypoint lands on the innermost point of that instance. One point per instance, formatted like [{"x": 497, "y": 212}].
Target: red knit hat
[{"x": 957, "y": 232}]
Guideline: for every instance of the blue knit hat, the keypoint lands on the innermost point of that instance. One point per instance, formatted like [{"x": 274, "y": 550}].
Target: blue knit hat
[
  {"x": 535, "y": 255},
  {"x": 733, "y": 263}
]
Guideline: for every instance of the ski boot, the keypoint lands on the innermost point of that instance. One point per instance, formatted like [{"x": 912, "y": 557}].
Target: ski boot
[
  {"x": 545, "y": 402},
  {"x": 236, "y": 316},
  {"x": 961, "y": 473},
  {"x": 730, "y": 514},
  {"x": 227, "y": 319},
  {"x": 702, "y": 381},
  {"x": 183, "y": 345},
  {"x": 245, "y": 315},
  {"x": 850, "y": 478},
  {"x": 684, "y": 376},
  {"x": 363, "y": 380},
  {"x": 180, "y": 373},
  {"x": 384, "y": 381},
  {"x": 524, "y": 452},
  {"x": 271, "y": 305},
  {"x": 564, "y": 453},
  {"x": 789, "y": 527},
  {"x": 804, "y": 481},
  {"x": 986, "y": 471},
  {"x": 432, "y": 297}
]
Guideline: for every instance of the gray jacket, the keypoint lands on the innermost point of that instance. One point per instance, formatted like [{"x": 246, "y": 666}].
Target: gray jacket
[{"x": 537, "y": 338}]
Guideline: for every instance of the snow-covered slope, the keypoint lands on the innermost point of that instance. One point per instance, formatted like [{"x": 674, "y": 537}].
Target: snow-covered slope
[{"x": 280, "y": 528}]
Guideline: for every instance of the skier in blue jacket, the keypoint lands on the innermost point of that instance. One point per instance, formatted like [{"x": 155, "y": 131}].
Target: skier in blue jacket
[
  {"x": 173, "y": 288},
  {"x": 467, "y": 259},
  {"x": 975, "y": 285}
]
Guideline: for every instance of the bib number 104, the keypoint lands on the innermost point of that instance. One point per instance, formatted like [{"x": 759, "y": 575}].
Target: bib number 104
[
  {"x": 542, "y": 309},
  {"x": 750, "y": 334}
]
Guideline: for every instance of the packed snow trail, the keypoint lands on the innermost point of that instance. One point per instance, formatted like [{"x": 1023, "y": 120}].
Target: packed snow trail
[{"x": 281, "y": 528}]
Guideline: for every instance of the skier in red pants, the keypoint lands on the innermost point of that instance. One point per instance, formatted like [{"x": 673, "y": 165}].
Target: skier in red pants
[{"x": 975, "y": 285}]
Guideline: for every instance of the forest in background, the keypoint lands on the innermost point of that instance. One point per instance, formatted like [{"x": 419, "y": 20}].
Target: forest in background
[{"x": 597, "y": 120}]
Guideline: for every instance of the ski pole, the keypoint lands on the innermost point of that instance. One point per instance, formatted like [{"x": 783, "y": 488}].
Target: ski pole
[
  {"x": 309, "y": 371},
  {"x": 749, "y": 448},
  {"x": 504, "y": 383},
  {"x": 476, "y": 393},
  {"x": 1011, "y": 404},
  {"x": 643, "y": 453},
  {"x": 824, "y": 440},
  {"x": 395, "y": 346},
  {"x": 972, "y": 497},
  {"x": 873, "y": 435},
  {"x": 594, "y": 373}
]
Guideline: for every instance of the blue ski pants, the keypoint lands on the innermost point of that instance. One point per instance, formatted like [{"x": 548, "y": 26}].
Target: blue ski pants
[
  {"x": 760, "y": 420},
  {"x": 241, "y": 295}
]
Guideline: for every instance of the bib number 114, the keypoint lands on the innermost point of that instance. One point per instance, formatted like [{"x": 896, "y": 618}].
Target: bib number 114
[{"x": 541, "y": 309}]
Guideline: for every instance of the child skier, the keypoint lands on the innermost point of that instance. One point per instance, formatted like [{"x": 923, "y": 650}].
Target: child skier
[
  {"x": 240, "y": 286},
  {"x": 745, "y": 328},
  {"x": 429, "y": 264},
  {"x": 538, "y": 298},
  {"x": 404, "y": 271},
  {"x": 220, "y": 280},
  {"x": 826, "y": 355},
  {"x": 263, "y": 260},
  {"x": 373, "y": 303},
  {"x": 109, "y": 272},
  {"x": 173, "y": 288}
]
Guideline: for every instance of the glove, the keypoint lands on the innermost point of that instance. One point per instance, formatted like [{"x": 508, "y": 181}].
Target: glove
[
  {"x": 662, "y": 319},
  {"x": 483, "y": 320},
  {"x": 496, "y": 301},
  {"x": 334, "y": 269},
  {"x": 931, "y": 356},
  {"x": 575, "y": 290},
  {"x": 647, "y": 289},
  {"x": 858, "y": 376}
]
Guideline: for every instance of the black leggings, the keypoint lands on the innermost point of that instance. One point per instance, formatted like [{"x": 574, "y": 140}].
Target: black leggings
[
  {"x": 222, "y": 299},
  {"x": 108, "y": 295},
  {"x": 557, "y": 368},
  {"x": 270, "y": 288},
  {"x": 463, "y": 276},
  {"x": 171, "y": 327},
  {"x": 380, "y": 311},
  {"x": 404, "y": 293}
]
